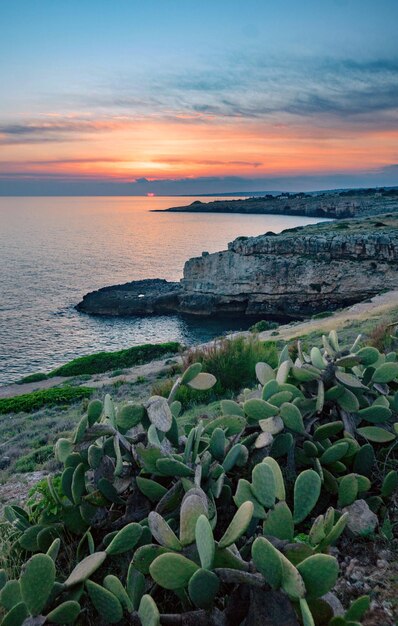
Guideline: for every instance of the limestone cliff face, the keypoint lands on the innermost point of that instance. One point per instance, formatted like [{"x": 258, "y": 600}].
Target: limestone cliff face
[
  {"x": 301, "y": 271},
  {"x": 319, "y": 268}
]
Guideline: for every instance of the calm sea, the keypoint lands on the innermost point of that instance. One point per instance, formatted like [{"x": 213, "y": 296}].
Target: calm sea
[{"x": 54, "y": 250}]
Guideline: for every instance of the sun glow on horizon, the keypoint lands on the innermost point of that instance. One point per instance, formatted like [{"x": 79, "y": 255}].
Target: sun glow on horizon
[
  {"x": 260, "y": 91},
  {"x": 126, "y": 149}
]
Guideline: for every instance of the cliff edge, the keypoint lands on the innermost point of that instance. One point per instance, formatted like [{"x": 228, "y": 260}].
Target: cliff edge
[{"x": 299, "y": 272}]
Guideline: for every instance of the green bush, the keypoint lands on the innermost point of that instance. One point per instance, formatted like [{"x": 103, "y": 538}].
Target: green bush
[
  {"x": 33, "y": 378},
  {"x": 105, "y": 361},
  {"x": 262, "y": 325},
  {"x": 28, "y": 402},
  {"x": 29, "y": 462}
]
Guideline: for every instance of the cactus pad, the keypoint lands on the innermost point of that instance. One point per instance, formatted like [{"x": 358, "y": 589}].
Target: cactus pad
[
  {"x": 162, "y": 532},
  {"x": 263, "y": 484},
  {"x": 202, "y": 382},
  {"x": 159, "y": 413},
  {"x": 348, "y": 490},
  {"x": 173, "y": 467},
  {"x": 148, "y": 611},
  {"x": 307, "y": 489},
  {"x": 376, "y": 434},
  {"x": 10, "y": 594},
  {"x": 125, "y": 539},
  {"x": 238, "y": 525},
  {"x": 37, "y": 581},
  {"x": 257, "y": 409},
  {"x": 16, "y": 616},
  {"x": 190, "y": 373},
  {"x": 94, "y": 411},
  {"x": 319, "y": 573},
  {"x": 106, "y": 603},
  {"x": 267, "y": 561},
  {"x": 203, "y": 587},
  {"x": 192, "y": 507},
  {"x": 243, "y": 494},
  {"x": 264, "y": 373},
  {"x": 113, "y": 584},
  {"x": 292, "y": 417},
  {"x": 85, "y": 568},
  {"x": 204, "y": 542},
  {"x": 65, "y": 613},
  {"x": 172, "y": 571},
  {"x": 279, "y": 522}
]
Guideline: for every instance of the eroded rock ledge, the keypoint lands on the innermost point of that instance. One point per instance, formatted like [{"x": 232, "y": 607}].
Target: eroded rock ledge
[{"x": 299, "y": 272}]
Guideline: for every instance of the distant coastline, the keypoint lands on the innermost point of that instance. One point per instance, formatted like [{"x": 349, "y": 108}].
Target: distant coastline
[{"x": 332, "y": 204}]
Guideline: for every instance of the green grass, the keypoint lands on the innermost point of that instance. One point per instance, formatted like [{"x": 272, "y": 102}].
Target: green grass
[
  {"x": 28, "y": 402},
  {"x": 30, "y": 461},
  {"x": 319, "y": 316},
  {"x": 231, "y": 361},
  {"x": 105, "y": 361}
]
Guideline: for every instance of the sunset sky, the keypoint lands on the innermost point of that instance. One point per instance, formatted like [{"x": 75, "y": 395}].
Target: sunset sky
[{"x": 197, "y": 96}]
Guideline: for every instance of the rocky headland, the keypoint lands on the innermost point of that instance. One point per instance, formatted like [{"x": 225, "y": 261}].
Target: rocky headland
[
  {"x": 299, "y": 272},
  {"x": 329, "y": 204}
]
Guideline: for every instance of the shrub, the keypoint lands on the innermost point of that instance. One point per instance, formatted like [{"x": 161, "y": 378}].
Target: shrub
[
  {"x": 231, "y": 361},
  {"x": 263, "y": 325},
  {"x": 381, "y": 338},
  {"x": 29, "y": 462},
  {"x": 118, "y": 372},
  {"x": 32, "y": 378},
  {"x": 28, "y": 402},
  {"x": 105, "y": 361},
  {"x": 207, "y": 522}
]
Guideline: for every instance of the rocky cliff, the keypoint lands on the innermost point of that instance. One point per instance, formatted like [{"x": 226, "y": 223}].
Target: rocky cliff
[{"x": 301, "y": 271}]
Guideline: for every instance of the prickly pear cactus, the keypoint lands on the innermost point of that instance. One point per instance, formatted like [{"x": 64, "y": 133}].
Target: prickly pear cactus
[{"x": 156, "y": 518}]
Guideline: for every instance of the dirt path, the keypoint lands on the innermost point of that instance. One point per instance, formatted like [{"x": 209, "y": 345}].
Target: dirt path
[
  {"x": 377, "y": 307},
  {"x": 96, "y": 381},
  {"x": 8, "y": 391}
]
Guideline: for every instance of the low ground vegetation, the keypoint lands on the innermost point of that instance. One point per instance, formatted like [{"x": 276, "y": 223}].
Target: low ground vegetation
[
  {"x": 263, "y": 325},
  {"x": 29, "y": 402},
  {"x": 106, "y": 361},
  {"x": 228, "y": 514},
  {"x": 23, "y": 433}
]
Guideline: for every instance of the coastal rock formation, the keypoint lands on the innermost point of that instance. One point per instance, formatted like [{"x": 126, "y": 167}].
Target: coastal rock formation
[
  {"x": 140, "y": 297},
  {"x": 330, "y": 204},
  {"x": 299, "y": 272}
]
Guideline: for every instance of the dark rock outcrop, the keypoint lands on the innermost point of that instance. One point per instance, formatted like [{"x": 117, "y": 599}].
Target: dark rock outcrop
[
  {"x": 140, "y": 297},
  {"x": 299, "y": 272}
]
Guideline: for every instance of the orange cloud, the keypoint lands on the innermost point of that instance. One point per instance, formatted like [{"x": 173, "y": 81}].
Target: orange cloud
[{"x": 125, "y": 148}]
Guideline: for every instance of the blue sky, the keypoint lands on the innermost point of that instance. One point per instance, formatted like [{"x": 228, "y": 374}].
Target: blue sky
[{"x": 115, "y": 92}]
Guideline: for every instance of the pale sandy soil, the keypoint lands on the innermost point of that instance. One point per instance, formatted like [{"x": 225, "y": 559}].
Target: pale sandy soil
[
  {"x": 96, "y": 381},
  {"x": 17, "y": 487}
]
